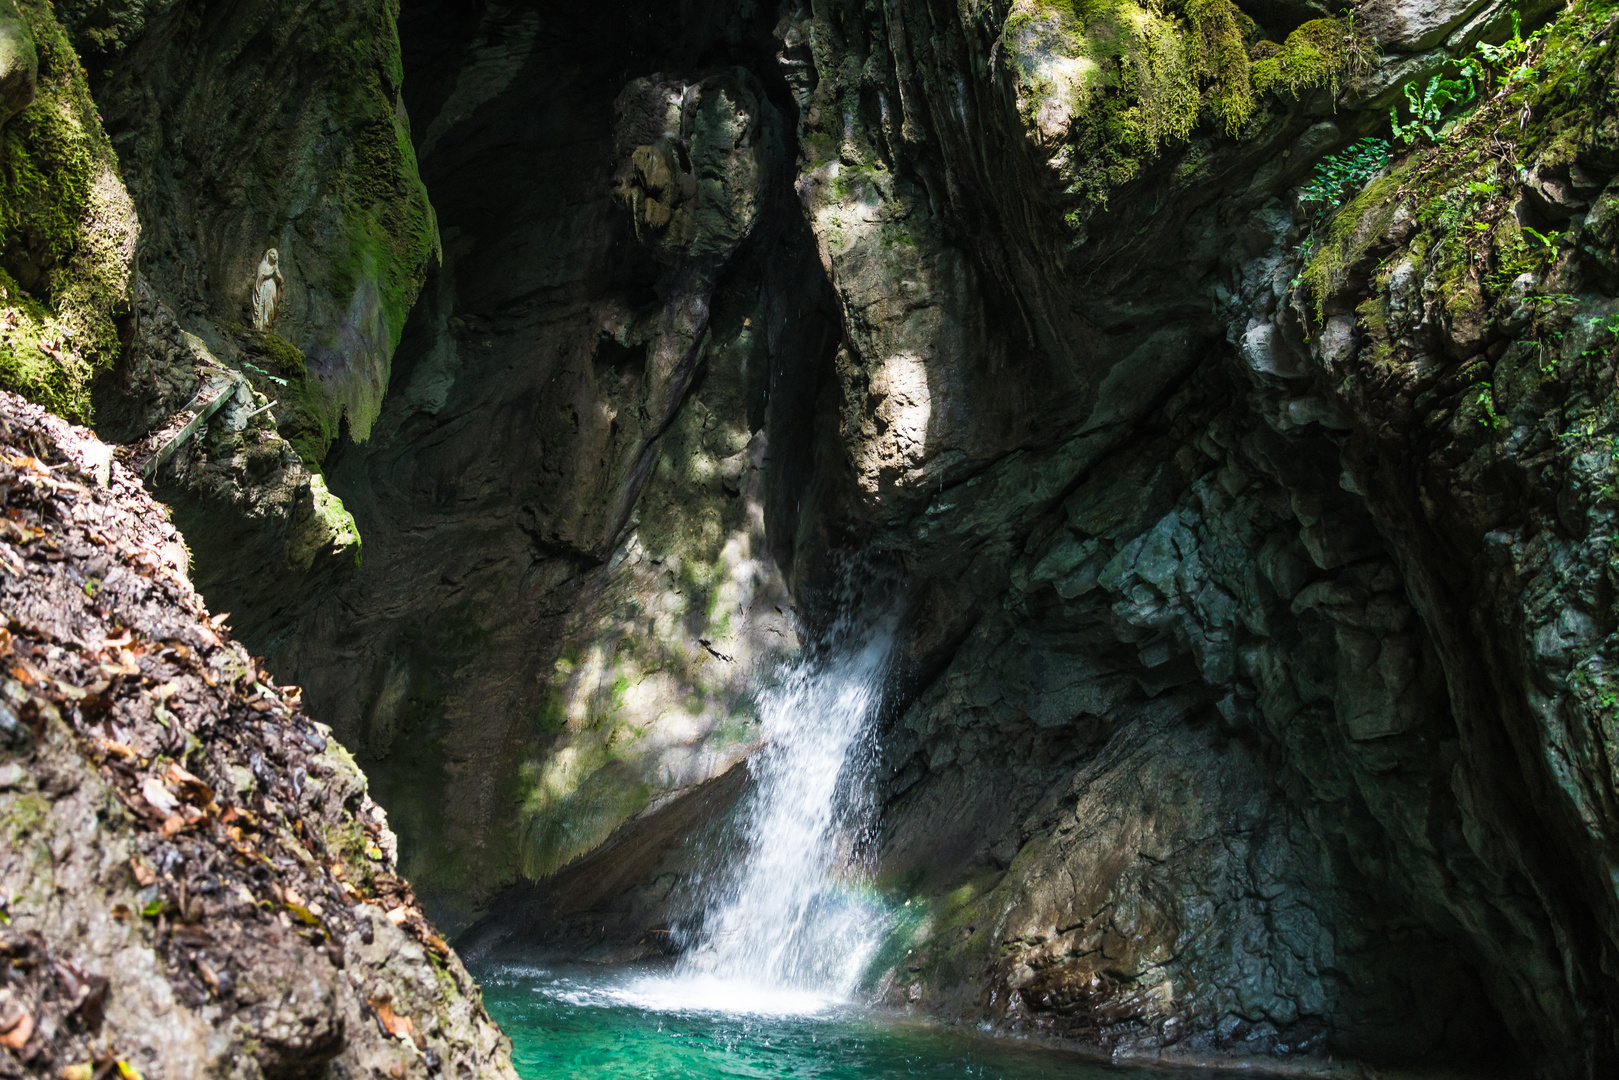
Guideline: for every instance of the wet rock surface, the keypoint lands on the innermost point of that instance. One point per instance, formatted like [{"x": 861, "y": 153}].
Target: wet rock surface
[
  {"x": 581, "y": 498},
  {"x": 1240, "y": 708},
  {"x": 1253, "y": 695},
  {"x": 195, "y": 881}
]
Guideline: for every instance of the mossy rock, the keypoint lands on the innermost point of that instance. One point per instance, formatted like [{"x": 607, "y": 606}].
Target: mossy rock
[
  {"x": 67, "y": 235},
  {"x": 305, "y": 413},
  {"x": 1108, "y": 84},
  {"x": 1317, "y": 54},
  {"x": 318, "y": 165}
]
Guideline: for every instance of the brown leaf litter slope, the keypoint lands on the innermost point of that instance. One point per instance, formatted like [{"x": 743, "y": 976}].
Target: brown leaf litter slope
[{"x": 193, "y": 880}]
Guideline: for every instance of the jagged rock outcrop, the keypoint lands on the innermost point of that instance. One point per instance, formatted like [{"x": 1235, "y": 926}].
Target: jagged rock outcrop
[
  {"x": 583, "y": 488},
  {"x": 1253, "y": 694},
  {"x": 1276, "y": 685},
  {"x": 1192, "y": 752},
  {"x": 233, "y": 134},
  {"x": 193, "y": 878}
]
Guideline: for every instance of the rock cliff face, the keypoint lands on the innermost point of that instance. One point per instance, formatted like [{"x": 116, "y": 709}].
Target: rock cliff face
[
  {"x": 1251, "y": 483},
  {"x": 194, "y": 881},
  {"x": 582, "y": 494},
  {"x": 1252, "y": 694}
]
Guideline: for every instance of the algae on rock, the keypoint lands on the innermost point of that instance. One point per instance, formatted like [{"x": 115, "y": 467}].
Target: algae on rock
[{"x": 67, "y": 227}]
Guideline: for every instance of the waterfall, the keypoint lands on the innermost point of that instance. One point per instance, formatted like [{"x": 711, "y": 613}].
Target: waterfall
[{"x": 790, "y": 927}]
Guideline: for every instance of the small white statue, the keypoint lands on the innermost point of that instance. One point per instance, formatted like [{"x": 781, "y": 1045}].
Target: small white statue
[{"x": 267, "y": 290}]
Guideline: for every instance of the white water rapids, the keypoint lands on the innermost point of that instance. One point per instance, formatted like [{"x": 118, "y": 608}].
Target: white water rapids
[{"x": 791, "y": 928}]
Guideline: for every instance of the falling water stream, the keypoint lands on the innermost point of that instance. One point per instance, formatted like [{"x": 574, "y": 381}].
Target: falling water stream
[
  {"x": 791, "y": 928},
  {"x": 768, "y": 983}
]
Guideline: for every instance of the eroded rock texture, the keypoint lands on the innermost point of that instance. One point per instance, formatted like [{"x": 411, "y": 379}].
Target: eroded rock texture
[
  {"x": 583, "y": 489},
  {"x": 261, "y": 127},
  {"x": 194, "y": 879},
  {"x": 1252, "y": 692}
]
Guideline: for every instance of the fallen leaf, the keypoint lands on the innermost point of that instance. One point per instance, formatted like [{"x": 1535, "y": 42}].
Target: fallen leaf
[
  {"x": 396, "y": 1025},
  {"x": 397, "y": 915},
  {"x": 191, "y": 786},
  {"x": 118, "y": 749},
  {"x": 160, "y": 798},
  {"x": 143, "y": 873},
  {"x": 14, "y": 1032},
  {"x": 128, "y": 1071},
  {"x": 84, "y": 1070},
  {"x": 71, "y": 692},
  {"x": 303, "y": 914},
  {"x": 172, "y": 824}
]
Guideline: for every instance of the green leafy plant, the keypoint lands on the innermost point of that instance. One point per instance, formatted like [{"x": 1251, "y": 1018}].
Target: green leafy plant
[
  {"x": 1486, "y": 398},
  {"x": 1340, "y": 175},
  {"x": 1548, "y": 240},
  {"x": 1508, "y": 59},
  {"x": 1429, "y": 107},
  {"x": 260, "y": 371}
]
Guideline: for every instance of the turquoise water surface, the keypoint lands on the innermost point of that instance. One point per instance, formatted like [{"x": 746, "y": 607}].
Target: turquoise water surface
[{"x": 623, "y": 1024}]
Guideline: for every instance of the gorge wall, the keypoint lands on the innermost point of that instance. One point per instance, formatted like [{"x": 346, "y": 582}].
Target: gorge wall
[
  {"x": 1249, "y": 703},
  {"x": 1256, "y": 518}
]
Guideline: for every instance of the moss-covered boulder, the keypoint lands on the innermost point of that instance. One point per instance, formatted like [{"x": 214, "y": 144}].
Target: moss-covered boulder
[
  {"x": 272, "y": 127},
  {"x": 68, "y": 229}
]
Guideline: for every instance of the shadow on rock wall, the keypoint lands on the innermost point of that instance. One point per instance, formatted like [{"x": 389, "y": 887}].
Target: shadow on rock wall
[{"x": 604, "y": 398}]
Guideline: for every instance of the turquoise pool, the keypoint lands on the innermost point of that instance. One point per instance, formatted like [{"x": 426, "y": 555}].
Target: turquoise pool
[{"x": 569, "y": 1023}]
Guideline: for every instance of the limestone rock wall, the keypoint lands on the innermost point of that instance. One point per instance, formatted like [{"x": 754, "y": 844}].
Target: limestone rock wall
[
  {"x": 1250, "y": 701},
  {"x": 1253, "y": 715},
  {"x": 581, "y": 495},
  {"x": 1252, "y": 696},
  {"x": 193, "y": 878},
  {"x": 236, "y": 133}
]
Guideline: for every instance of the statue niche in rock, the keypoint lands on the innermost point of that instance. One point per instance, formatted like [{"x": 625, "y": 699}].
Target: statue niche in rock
[{"x": 267, "y": 289}]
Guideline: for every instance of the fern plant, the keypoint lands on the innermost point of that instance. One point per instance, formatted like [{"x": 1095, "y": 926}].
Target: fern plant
[
  {"x": 1340, "y": 175},
  {"x": 1429, "y": 107}
]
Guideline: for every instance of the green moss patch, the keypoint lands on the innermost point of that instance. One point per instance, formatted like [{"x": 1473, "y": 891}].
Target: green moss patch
[
  {"x": 67, "y": 232},
  {"x": 1109, "y": 83},
  {"x": 391, "y": 233},
  {"x": 1316, "y": 54},
  {"x": 306, "y": 414}
]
